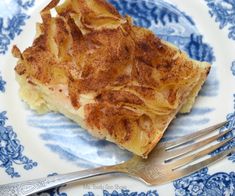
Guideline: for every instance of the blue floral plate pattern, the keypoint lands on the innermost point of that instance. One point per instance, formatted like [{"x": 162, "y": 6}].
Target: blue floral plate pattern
[{"x": 34, "y": 146}]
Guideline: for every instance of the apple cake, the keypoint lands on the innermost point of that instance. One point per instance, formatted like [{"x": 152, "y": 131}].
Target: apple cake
[{"x": 118, "y": 81}]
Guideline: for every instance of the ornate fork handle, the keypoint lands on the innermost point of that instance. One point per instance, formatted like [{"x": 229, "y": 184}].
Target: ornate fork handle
[{"x": 34, "y": 186}]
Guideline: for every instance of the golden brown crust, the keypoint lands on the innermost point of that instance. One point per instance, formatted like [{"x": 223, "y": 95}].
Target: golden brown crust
[
  {"x": 118, "y": 120},
  {"x": 137, "y": 79},
  {"x": 118, "y": 97}
]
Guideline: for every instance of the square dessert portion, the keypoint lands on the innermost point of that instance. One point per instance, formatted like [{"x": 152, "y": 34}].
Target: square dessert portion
[{"x": 119, "y": 81}]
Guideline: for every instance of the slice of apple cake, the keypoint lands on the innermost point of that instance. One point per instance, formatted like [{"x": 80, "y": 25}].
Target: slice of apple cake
[{"x": 119, "y": 81}]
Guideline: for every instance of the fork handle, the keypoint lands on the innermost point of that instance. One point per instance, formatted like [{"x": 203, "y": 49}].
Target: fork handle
[{"x": 37, "y": 185}]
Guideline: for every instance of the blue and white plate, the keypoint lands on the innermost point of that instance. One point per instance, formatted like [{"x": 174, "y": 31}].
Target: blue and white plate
[{"x": 33, "y": 146}]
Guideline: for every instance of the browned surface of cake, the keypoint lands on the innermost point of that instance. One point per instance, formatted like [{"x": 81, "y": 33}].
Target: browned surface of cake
[{"x": 135, "y": 82}]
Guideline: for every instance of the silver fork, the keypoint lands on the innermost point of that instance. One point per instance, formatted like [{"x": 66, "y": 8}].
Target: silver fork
[{"x": 167, "y": 162}]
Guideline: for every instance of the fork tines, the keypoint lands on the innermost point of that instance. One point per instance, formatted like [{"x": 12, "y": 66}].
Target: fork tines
[
  {"x": 198, "y": 134},
  {"x": 178, "y": 154}
]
